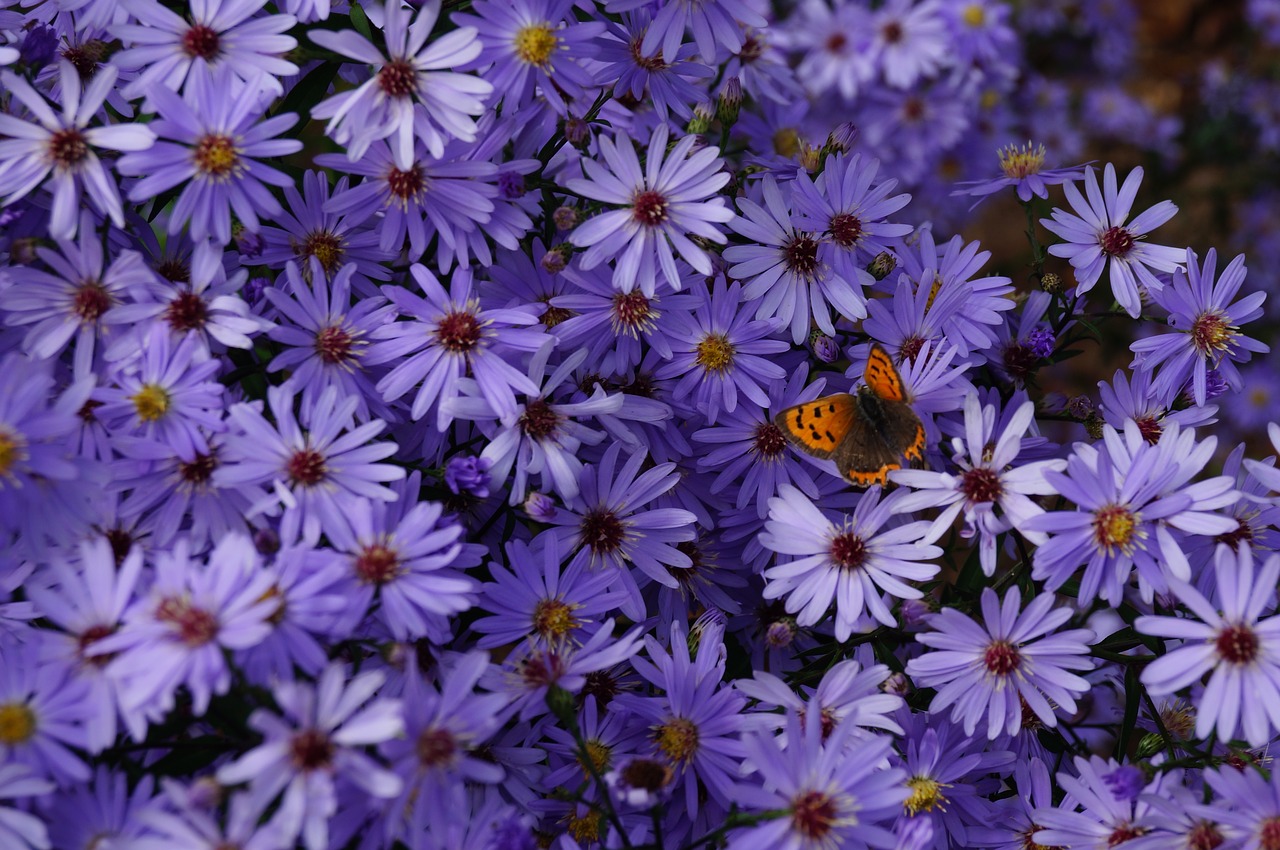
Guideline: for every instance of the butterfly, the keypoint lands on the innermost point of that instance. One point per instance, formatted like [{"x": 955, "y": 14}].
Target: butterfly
[{"x": 868, "y": 433}]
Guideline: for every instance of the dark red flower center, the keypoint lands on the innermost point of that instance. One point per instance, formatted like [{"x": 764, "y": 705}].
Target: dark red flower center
[
  {"x": 325, "y": 247},
  {"x": 187, "y": 312},
  {"x": 846, "y": 229},
  {"x": 121, "y": 541},
  {"x": 215, "y": 155},
  {"x": 1001, "y": 658},
  {"x": 813, "y": 815},
  {"x": 1020, "y": 360},
  {"x": 85, "y": 57},
  {"x": 1269, "y": 834},
  {"x": 194, "y": 626},
  {"x": 88, "y": 638},
  {"x": 1238, "y": 644},
  {"x": 848, "y": 551},
  {"x": 769, "y": 442},
  {"x": 377, "y": 564},
  {"x": 1150, "y": 429},
  {"x": 201, "y": 42},
  {"x": 981, "y": 484},
  {"x": 646, "y": 63},
  {"x": 173, "y": 269},
  {"x": 1116, "y": 241},
  {"x": 910, "y": 349},
  {"x": 199, "y": 470},
  {"x": 436, "y": 747},
  {"x": 603, "y": 531},
  {"x": 1125, "y": 832},
  {"x": 646, "y": 774},
  {"x": 311, "y": 749},
  {"x": 406, "y": 185},
  {"x": 306, "y": 467},
  {"x": 649, "y": 208},
  {"x": 67, "y": 148},
  {"x": 1204, "y": 836},
  {"x": 801, "y": 254},
  {"x": 632, "y": 312},
  {"x": 836, "y": 42},
  {"x": 458, "y": 331},
  {"x": 398, "y": 79},
  {"x": 891, "y": 32},
  {"x": 1212, "y": 332},
  {"x": 538, "y": 420},
  {"x": 335, "y": 344},
  {"x": 90, "y": 301}
]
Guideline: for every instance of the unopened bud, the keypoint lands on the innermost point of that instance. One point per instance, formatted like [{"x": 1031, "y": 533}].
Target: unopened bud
[
  {"x": 914, "y": 611},
  {"x": 1149, "y": 745},
  {"x": 703, "y": 114},
  {"x": 539, "y": 507},
  {"x": 1051, "y": 283},
  {"x": 553, "y": 262},
  {"x": 826, "y": 349},
  {"x": 266, "y": 541},
  {"x": 1080, "y": 406},
  {"x": 881, "y": 265},
  {"x": 897, "y": 684},
  {"x": 730, "y": 102},
  {"x": 1093, "y": 425},
  {"x": 23, "y": 251},
  {"x": 566, "y": 218},
  {"x": 841, "y": 139},
  {"x": 780, "y": 633},
  {"x": 562, "y": 705},
  {"x": 576, "y": 132}
]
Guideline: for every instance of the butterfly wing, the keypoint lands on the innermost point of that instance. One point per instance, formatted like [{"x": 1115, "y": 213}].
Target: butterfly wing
[
  {"x": 865, "y": 457},
  {"x": 821, "y": 426},
  {"x": 882, "y": 377}
]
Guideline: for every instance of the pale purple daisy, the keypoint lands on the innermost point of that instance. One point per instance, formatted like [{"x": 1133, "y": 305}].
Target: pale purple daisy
[
  {"x": 43, "y": 712},
  {"x": 672, "y": 198},
  {"x": 1023, "y": 168},
  {"x": 307, "y": 468},
  {"x": 22, "y": 830},
  {"x": 178, "y": 633},
  {"x": 1207, "y": 328},
  {"x": 213, "y": 141},
  {"x": 715, "y": 24},
  {"x": 64, "y": 146},
  {"x": 845, "y": 560},
  {"x": 163, "y": 46},
  {"x": 721, "y": 352},
  {"x": 186, "y": 817},
  {"x": 1091, "y": 816},
  {"x": 534, "y": 668},
  {"x": 1018, "y": 656},
  {"x": 320, "y": 737},
  {"x": 847, "y": 695},
  {"x": 1250, "y": 805},
  {"x": 413, "y": 91},
  {"x": 669, "y": 86},
  {"x": 988, "y": 477},
  {"x": 835, "y": 789},
  {"x": 1233, "y": 642},
  {"x": 784, "y": 270},
  {"x": 1099, "y": 235}
]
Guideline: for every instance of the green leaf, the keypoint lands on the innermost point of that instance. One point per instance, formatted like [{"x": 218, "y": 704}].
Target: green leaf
[
  {"x": 309, "y": 91},
  {"x": 360, "y": 21}
]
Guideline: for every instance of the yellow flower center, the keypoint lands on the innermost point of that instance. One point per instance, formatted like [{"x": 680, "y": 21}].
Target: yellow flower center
[
  {"x": 585, "y": 829},
  {"x": 678, "y": 739},
  {"x": 17, "y": 723},
  {"x": 1018, "y": 162},
  {"x": 535, "y": 43},
  {"x": 786, "y": 142},
  {"x": 10, "y": 451},
  {"x": 926, "y": 795},
  {"x": 553, "y": 618},
  {"x": 216, "y": 155},
  {"x": 1115, "y": 528},
  {"x": 151, "y": 402},
  {"x": 974, "y": 15},
  {"x": 715, "y": 353},
  {"x": 599, "y": 754},
  {"x": 1212, "y": 332}
]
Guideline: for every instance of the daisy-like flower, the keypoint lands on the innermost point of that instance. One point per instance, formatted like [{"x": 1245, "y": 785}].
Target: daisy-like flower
[
  {"x": 1017, "y": 658},
  {"x": 413, "y": 91},
  {"x": 697, "y": 720},
  {"x": 1092, "y": 815},
  {"x": 844, "y": 560},
  {"x": 213, "y": 141},
  {"x": 1132, "y": 499},
  {"x": 22, "y": 830},
  {"x": 672, "y": 198},
  {"x": 178, "y": 633},
  {"x": 1232, "y": 642},
  {"x": 910, "y": 41},
  {"x": 64, "y": 146},
  {"x": 317, "y": 739},
  {"x": 449, "y": 337},
  {"x": 834, "y": 788},
  {"x": 714, "y": 22},
  {"x": 1100, "y": 235},
  {"x": 533, "y": 669},
  {"x": 181, "y": 817},
  {"x": 988, "y": 479},
  {"x": 42, "y": 715},
  {"x": 784, "y": 270},
  {"x": 1251, "y": 805},
  {"x": 163, "y": 46},
  {"x": 721, "y": 352},
  {"x": 307, "y": 469},
  {"x": 1207, "y": 328},
  {"x": 534, "y": 43},
  {"x": 846, "y": 696},
  {"x": 1023, "y": 168}
]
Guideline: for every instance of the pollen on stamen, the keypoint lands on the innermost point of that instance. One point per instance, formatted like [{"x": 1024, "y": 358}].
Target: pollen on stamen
[
  {"x": 715, "y": 353},
  {"x": 535, "y": 43},
  {"x": 1018, "y": 162},
  {"x": 398, "y": 79},
  {"x": 68, "y": 148},
  {"x": 650, "y": 208},
  {"x": 215, "y": 155}
]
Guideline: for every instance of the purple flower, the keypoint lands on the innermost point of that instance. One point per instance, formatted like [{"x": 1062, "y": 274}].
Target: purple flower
[
  {"x": 1023, "y": 168},
  {"x": 413, "y": 91},
  {"x": 319, "y": 736},
  {"x": 846, "y": 696},
  {"x": 715, "y": 22},
  {"x": 468, "y": 474},
  {"x": 1207, "y": 328},
  {"x": 449, "y": 337},
  {"x": 103, "y": 811},
  {"x": 1091, "y": 815},
  {"x": 845, "y": 560},
  {"x": 64, "y": 145},
  {"x": 1016, "y": 658},
  {"x": 42, "y": 714},
  {"x": 670, "y": 85},
  {"x": 534, "y": 668},
  {"x": 177, "y": 634},
  {"x": 672, "y": 198},
  {"x": 18, "y": 829},
  {"x": 615, "y": 327},
  {"x": 1251, "y": 804},
  {"x": 215, "y": 141},
  {"x": 221, "y": 34},
  {"x": 1238, "y": 647},
  {"x": 307, "y": 469},
  {"x": 1100, "y": 236}
]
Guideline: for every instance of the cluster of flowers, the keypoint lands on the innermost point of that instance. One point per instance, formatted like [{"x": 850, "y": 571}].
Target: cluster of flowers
[{"x": 429, "y": 492}]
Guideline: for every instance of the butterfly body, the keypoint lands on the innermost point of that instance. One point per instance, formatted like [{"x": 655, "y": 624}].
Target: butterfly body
[{"x": 868, "y": 433}]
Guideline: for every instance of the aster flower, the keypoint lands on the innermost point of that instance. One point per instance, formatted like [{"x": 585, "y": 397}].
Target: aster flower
[
  {"x": 319, "y": 736},
  {"x": 177, "y": 633},
  {"x": 844, "y": 560},
  {"x": 212, "y": 143},
  {"x": 834, "y": 47},
  {"x": 164, "y": 46},
  {"x": 181, "y": 818},
  {"x": 42, "y": 715},
  {"x": 1135, "y": 397},
  {"x": 1023, "y": 168},
  {"x": 412, "y": 93},
  {"x": 716, "y": 22},
  {"x": 672, "y": 198},
  {"x": 452, "y": 336},
  {"x": 1092, "y": 816},
  {"x": 64, "y": 146},
  {"x": 103, "y": 811},
  {"x": 1099, "y": 235},
  {"x": 1017, "y": 658},
  {"x": 326, "y": 336},
  {"x": 535, "y": 668},
  {"x": 720, "y": 352},
  {"x": 534, "y": 44},
  {"x": 307, "y": 469},
  {"x": 1233, "y": 642},
  {"x": 784, "y": 271},
  {"x": 1251, "y": 804},
  {"x": 848, "y": 695},
  {"x": 987, "y": 479},
  {"x": 616, "y": 528},
  {"x": 910, "y": 41},
  {"x": 696, "y": 722},
  {"x": 835, "y": 788},
  {"x": 1208, "y": 327},
  {"x": 668, "y": 85},
  {"x": 18, "y": 829}
]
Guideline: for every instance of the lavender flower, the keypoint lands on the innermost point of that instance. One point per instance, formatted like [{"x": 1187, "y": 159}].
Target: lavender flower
[{"x": 22, "y": 830}]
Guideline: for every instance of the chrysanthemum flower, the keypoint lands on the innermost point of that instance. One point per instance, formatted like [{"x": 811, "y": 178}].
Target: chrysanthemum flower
[
  {"x": 534, "y": 668},
  {"x": 413, "y": 91},
  {"x": 1016, "y": 659},
  {"x": 319, "y": 737},
  {"x": 1100, "y": 235},
  {"x": 64, "y": 146},
  {"x": 845, "y": 561},
  {"x": 674, "y": 197},
  {"x": 1207, "y": 328}
]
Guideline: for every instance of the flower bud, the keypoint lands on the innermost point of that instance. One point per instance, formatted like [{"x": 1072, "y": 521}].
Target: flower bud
[
  {"x": 464, "y": 473},
  {"x": 253, "y": 289},
  {"x": 841, "y": 139},
  {"x": 1080, "y": 406},
  {"x": 729, "y": 103},
  {"x": 565, "y": 218},
  {"x": 248, "y": 242},
  {"x": 882, "y": 265},
  {"x": 539, "y": 507},
  {"x": 824, "y": 347},
  {"x": 1149, "y": 745},
  {"x": 39, "y": 47},
  {"x": 563, "y": 706},
  {"x": 553, "y": 262},
  {"x": 1051, "y": 283},
  {"x": 897, "y": 684},
  {"x": 266, "y": 541},
  {"x": 703, "y": 114},
  {"x": 576, "y": 132}
]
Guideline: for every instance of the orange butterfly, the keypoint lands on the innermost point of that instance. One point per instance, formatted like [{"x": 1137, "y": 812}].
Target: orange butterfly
[{"x": 868, "y": 433}]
